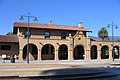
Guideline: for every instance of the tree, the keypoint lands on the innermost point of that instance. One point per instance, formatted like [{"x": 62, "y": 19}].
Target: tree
[
  {"x": 103, "y": 33},
  {"x": 107, "y": 39},
  {"x": 10, "y": 33},
  {"x": 118, "y": 40}
]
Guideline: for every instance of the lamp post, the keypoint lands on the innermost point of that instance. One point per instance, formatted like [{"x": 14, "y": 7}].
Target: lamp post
[
  {"x": 28, "y": 31},
  {"x": 112, "y": 25}
]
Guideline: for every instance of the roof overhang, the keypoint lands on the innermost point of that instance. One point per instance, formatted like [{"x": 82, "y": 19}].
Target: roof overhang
[{"x": 49, "y": 26}]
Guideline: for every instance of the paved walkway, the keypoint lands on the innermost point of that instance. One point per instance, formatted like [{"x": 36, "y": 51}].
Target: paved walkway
[{"x": 57, "y": 68}]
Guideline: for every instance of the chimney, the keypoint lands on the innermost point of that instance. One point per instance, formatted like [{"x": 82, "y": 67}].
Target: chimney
[
  {"x": 50, "y": 22},
  {"x": 80, "y": 24}
]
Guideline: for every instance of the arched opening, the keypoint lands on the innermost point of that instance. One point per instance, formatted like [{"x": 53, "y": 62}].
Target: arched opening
[
  {"x": 79, "y": 52},
  {"x": 25, "y": 52},
  {"x": 63, "y": 52},
  {"x": 104, "y": 52},
  {"x": 93, "y": 52},
  {"x": 33, "y": 52},
  {"x": 116, "y": 52},
  {"x": 47, "y": 52}
]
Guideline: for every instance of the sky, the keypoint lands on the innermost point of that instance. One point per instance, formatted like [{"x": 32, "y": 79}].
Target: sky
[{"x": 94, "y": 14}]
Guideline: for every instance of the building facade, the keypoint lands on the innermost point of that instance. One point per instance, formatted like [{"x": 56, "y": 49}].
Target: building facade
[
  {"x": 9, "y": 46},
  {"x": 60, "y": 42}
]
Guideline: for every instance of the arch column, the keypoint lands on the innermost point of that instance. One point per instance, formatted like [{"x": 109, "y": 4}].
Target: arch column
[
  {"x": 18, "y": 31},
  {"x": 88, "y": 49},
  {"x": 71, "y": 47},
  {"x": 21, "y": 54},
  {"x": 110, "y": 55},
  {"x": 39, "y": 55},
  {"x": 70, "y": 54},
  {"x": 99, "y": 55},
  {"x": 87, "y": 55},
  {"x": 56, "y": 55},
  {"x": 89, "y": 58},
  {"x": 119, "y": 52}
]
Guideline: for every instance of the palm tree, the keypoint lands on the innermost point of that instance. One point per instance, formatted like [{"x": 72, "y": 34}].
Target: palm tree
[
  {"x": 103, "y": 33},
  {"x": 107, "y": 39}
]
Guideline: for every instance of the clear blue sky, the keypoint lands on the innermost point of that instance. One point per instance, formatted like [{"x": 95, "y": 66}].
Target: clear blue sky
[{"x": 93, "y": 13}]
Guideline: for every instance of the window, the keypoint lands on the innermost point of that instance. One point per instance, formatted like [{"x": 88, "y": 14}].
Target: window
[
  {"x": 5, "y": 47},
  {"x": 63, "y": 35},
  {"x": 47, "y": 34},
  {"x": 26, "y": 33}
]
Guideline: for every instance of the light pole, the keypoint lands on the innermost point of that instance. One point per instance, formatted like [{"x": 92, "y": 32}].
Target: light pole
[
  {"x": 112, "y": 25},
  {"x": 28, "y": 31}
]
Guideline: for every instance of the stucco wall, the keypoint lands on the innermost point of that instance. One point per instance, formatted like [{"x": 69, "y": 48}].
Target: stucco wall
[{"x": 14, "y": 49}]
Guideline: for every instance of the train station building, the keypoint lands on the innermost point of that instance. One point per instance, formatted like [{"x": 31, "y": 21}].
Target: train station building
[{"x": 55, "y": 42}]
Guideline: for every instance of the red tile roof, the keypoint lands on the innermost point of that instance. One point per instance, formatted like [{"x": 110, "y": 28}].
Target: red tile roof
[
  {"x": 49, "y": 26},
  {"x": 5, "y": 38}
]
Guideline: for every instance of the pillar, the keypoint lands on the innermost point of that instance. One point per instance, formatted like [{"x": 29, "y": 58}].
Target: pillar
[
  {"x": 39, "y": 55},
  {"x": 56, "y": 55},
  {"x": 110, "y": 55},
  {"x": 119, "y": 52},
  {"x": 88, "y": 49},
  {"x": 21, "y": 54},
  {"x": 71, "y": 47},
  {"x": 18, "y": 32},
  {"x": 99, "y": 55},
  {"x": 87, "y": 55},
  {"x": 70, "y": 55}
]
